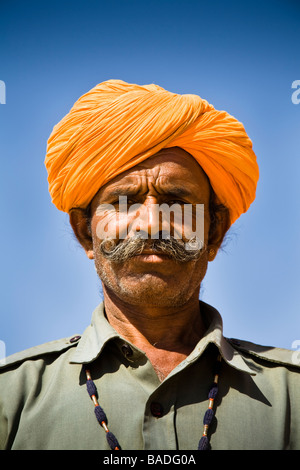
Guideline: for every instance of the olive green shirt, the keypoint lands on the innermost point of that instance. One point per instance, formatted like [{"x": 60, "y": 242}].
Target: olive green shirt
[{"x": 44, "y": 402}]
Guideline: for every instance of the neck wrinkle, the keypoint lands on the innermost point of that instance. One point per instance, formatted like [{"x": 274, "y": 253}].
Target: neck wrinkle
[{"x": 160, "y": 328}]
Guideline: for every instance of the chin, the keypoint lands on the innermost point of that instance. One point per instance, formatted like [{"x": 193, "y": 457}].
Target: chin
[
  {"x": 153, "y": 301},
  {"x": 155, "y": 295},
  {"x": 152, "y": 289}
]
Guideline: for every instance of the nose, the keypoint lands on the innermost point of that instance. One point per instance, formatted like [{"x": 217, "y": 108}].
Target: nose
[{"x": 147, "y": 221}]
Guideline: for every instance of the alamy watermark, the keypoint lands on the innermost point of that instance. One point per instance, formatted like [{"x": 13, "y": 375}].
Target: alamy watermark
[
  {"x": 296, "y": 94},
  {"x": 2, "y": 92},
  {"x": 180, "y": 221},
  {"x": 2, "y": 353},
  {"x": 296, "y": 354}
]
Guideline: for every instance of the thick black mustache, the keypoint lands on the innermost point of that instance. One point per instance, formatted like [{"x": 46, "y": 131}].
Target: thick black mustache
[{"x": 122, "y": 250}]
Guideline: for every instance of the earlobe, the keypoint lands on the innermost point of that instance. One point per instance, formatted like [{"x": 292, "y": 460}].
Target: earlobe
[
  {"x": 212, "y": 253},
  {"x": 90, "y": 254}
]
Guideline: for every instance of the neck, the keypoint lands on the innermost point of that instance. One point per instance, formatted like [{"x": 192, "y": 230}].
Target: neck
[{"x": 170, "y": 328}]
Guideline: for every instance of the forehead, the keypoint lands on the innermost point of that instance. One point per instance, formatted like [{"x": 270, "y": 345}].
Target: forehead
[{"x": 169, "y": 169}]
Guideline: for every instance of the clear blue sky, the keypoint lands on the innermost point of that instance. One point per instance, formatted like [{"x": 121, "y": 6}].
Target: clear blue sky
[{"x": 241, "y": 57}]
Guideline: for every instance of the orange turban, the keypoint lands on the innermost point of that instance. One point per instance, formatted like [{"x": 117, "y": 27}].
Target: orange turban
[{"x": 117, "y": 125}]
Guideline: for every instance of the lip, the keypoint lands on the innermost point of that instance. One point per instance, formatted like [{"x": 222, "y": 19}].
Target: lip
[{"x": 149, "y": 256}]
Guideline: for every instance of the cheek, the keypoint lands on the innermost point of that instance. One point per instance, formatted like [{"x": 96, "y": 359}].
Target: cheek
[
  {"x": 106, "y": 225},
  {"x": 105, "y": 271},
  {"x": 114, "y": 224},
  {"x": 195, "y": 222}
]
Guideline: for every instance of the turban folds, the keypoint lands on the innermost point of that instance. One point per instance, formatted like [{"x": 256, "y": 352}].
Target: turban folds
[{"x": 116, "y": 125}]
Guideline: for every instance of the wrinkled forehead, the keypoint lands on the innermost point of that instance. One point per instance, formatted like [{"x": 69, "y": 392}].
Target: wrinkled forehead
[{"x": 168, "y": 170}]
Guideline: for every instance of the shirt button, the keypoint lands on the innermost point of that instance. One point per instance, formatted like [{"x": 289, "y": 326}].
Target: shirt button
[
  {"x": 74, "y": 339},
  {"x": 156, "y": 409},
  {"x": 127, "y": 350}
]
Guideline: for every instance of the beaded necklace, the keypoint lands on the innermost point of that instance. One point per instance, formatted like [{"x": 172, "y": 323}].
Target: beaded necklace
[{"x": 112, "y": 440}]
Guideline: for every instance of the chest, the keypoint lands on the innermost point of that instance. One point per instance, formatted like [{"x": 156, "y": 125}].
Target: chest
[{"x": 147, "y": 414}]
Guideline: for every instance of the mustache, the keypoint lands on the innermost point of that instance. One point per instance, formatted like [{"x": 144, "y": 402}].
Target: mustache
[{"x": 121, "y": 251}]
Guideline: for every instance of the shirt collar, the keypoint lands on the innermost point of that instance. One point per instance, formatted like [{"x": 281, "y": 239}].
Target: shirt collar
[
  {"x": 214, "y": 335},
  {"x": 96, "y": 336}
]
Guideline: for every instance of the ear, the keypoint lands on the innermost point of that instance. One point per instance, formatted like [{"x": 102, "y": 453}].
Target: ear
[
  {"x": 81, "y": 227},
  {"x": 217, "y": 233}
]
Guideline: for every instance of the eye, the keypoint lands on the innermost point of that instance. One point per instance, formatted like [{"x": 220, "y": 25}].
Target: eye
[
  {"x": 176, "y": 201},
  {"x": 131, "y": 201},
  {"x": 123, "y": 204},
  {"x": 120, "y": 199}
]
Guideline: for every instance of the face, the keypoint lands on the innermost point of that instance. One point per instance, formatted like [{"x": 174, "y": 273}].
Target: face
[{"x": 151, "y": 276}]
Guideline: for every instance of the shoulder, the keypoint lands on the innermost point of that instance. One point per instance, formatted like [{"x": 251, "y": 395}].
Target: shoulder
[
  {"x": 268, "y": 355},
  {"x": 25, "y": 374},
  {"x": 56, "y": 347},
  {"x": 257, "y": 353}
]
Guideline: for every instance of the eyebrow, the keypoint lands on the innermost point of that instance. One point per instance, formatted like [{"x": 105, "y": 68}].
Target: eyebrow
[
  {"x": 128, "y": 190},
  {"x": 177, "y": 191},
  {"x": 124, "y": 191}
]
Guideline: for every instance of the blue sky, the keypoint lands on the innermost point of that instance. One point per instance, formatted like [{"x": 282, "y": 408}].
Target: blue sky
[{"x": 241, "y": 57}]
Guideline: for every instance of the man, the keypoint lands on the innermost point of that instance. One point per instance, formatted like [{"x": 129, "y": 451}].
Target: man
[{"x": 154, "y": 361}]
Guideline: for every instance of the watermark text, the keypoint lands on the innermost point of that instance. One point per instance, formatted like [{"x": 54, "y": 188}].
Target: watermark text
[
  {"x": 181, "y": 221},
  {"x": 296, "y": 94},
  {"x": 296, "y": 354},
  {"x": 2, "y": 92},
  {"x": 2, "y": 353}
]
